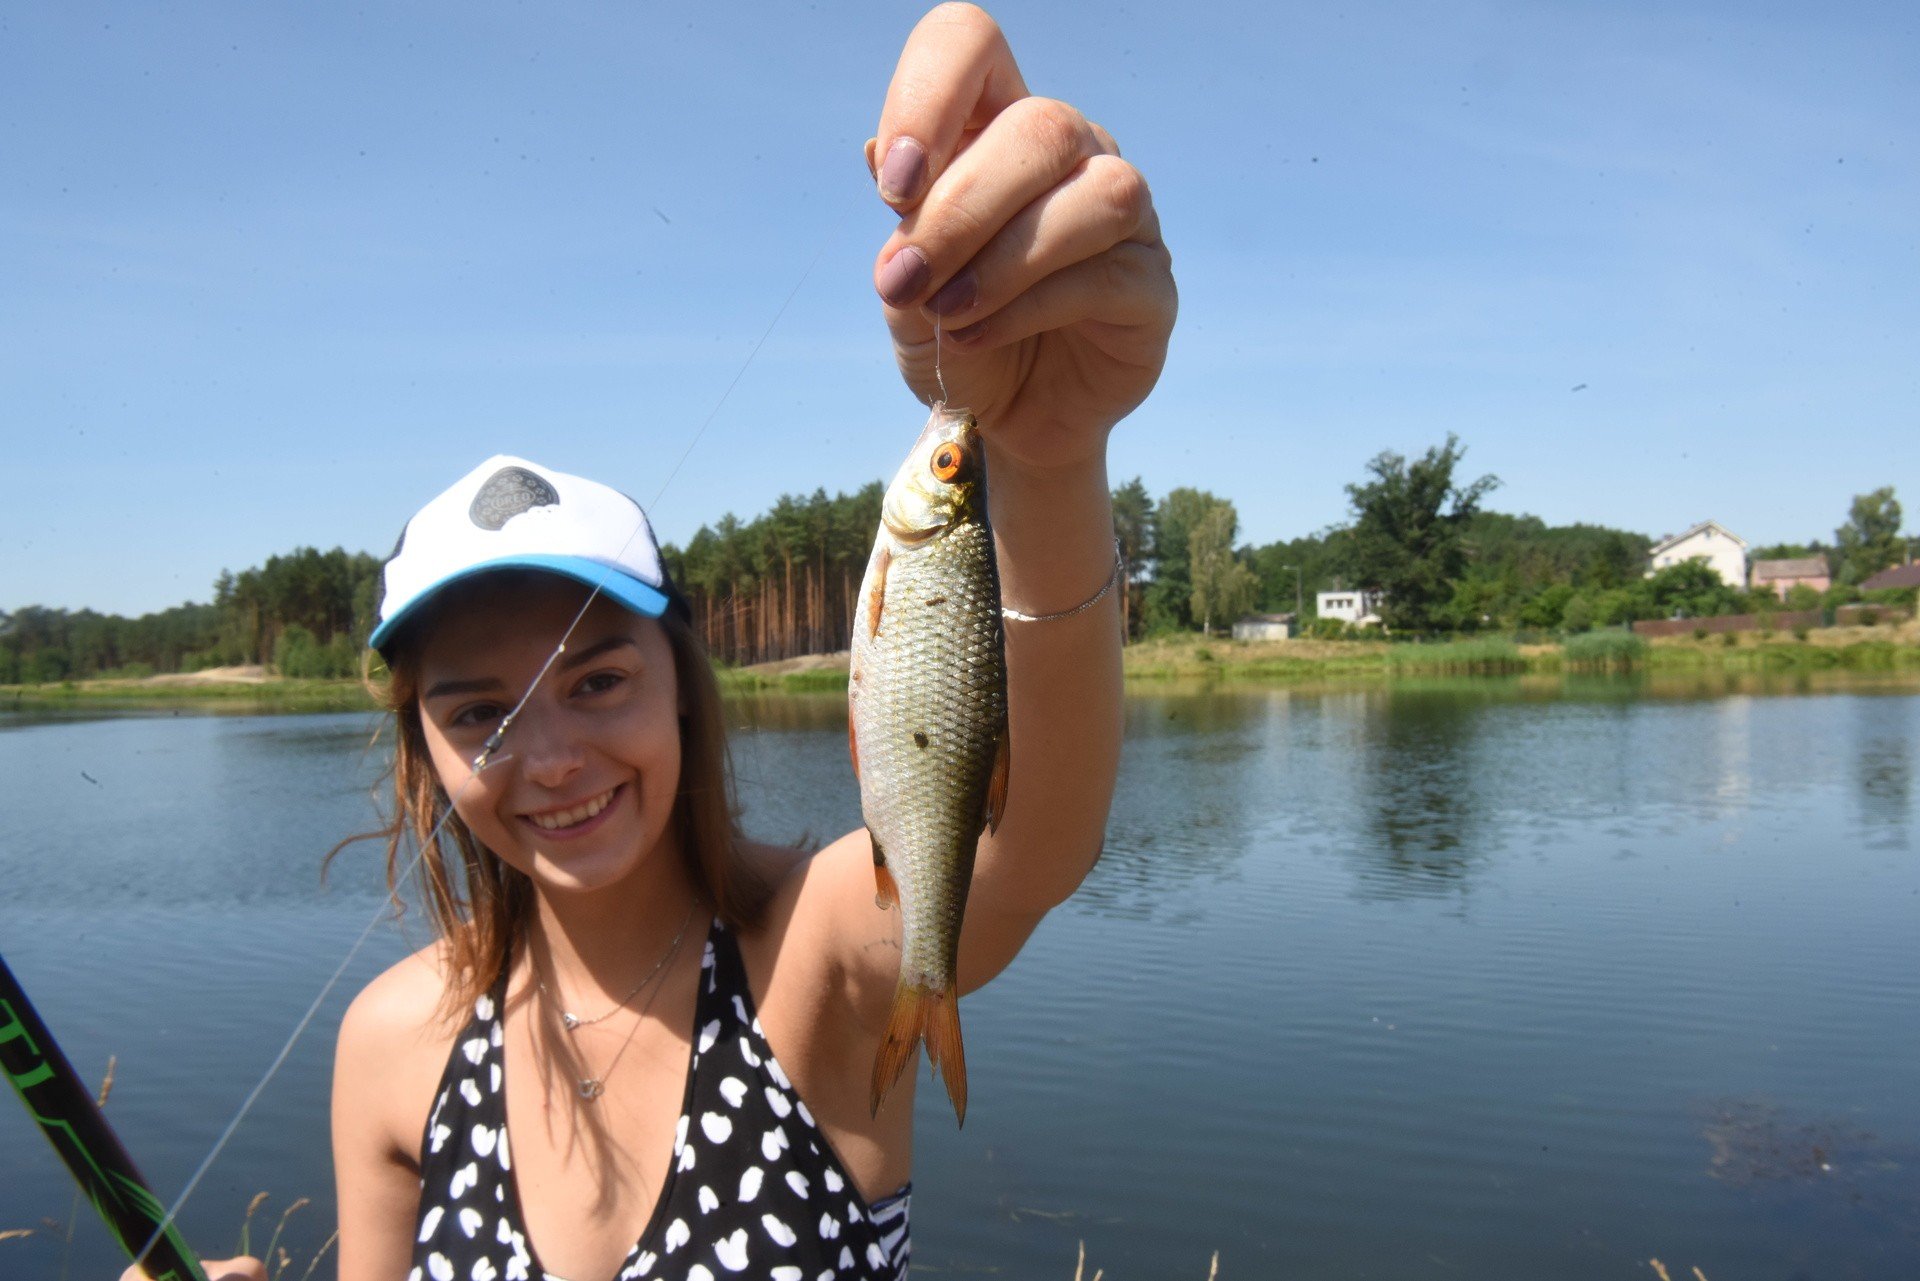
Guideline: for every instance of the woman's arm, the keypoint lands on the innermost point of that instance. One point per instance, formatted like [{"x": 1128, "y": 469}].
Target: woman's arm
[
  {"x": 382, "y": 1085},
  {"x": 1035, "y": 249}
]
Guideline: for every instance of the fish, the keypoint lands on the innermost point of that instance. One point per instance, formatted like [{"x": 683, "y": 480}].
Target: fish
[{"x": 927, "y": 728}]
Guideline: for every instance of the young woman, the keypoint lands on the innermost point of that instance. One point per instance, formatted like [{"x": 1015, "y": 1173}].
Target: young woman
[{"x": 644, "y": 1043}]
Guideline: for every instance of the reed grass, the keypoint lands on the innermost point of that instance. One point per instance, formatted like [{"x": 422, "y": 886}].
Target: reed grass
[
  {"x": 1609, "y": 651},
  {"x": 1479, "y": 656}
]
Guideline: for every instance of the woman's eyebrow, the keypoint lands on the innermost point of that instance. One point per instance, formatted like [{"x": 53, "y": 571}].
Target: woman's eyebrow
[
  {"x": 487, "y": 684},
  {"x": 480, "y": 686},
  {"x": 594, "y": 651}
]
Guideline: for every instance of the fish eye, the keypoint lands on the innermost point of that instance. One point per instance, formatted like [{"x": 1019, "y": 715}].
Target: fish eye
[{"x": 948, "y": 461}]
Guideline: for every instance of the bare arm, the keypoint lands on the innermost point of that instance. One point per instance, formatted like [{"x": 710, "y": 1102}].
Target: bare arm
[
  {"x": 1036, "y": 250},
  {"x": 379, "y": 1109}
]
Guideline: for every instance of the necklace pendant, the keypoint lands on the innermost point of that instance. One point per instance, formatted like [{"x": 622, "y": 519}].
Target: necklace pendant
[
  {"x": 591, "y": 1089},
  {"x": 569, "y": 1021}
]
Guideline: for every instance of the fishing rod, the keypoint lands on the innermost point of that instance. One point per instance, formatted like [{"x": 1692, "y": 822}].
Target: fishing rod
[{"x": 60, "y": 1101}]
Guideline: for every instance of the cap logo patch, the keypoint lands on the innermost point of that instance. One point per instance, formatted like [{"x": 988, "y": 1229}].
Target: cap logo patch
[{"x": 507, "y": 493}]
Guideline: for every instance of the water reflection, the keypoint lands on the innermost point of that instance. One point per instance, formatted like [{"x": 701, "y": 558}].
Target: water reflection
[
  {"x": 1422, "y": 815},
  {"x": 1883, "y": 769},
  {"x": 1190, "y": 793}
]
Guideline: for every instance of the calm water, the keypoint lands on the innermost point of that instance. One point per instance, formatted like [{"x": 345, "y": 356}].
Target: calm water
[{"x": 1479, "y": 979}]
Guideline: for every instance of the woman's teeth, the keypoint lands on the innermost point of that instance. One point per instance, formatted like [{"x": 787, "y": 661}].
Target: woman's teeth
[{"x": 578, "y": 814}]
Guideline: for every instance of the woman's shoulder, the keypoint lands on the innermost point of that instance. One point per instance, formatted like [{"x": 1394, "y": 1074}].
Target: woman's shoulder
[{"x": 403, "y": 1011}]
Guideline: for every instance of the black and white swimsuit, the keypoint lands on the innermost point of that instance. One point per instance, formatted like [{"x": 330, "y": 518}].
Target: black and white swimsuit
[{"x": 753, "y": 1188}]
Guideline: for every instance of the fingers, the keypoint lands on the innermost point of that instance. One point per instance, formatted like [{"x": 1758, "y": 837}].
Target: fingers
[
  {"x": 1127, "y": 289},
  {"x": 1103, "y": 203},
  {"x": 955, "y": 74},
  {"x": 241, "y": 1269},
  {"x": 1031, "y": 148}
]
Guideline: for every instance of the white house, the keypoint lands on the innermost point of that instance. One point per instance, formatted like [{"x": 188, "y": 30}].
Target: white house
[
  {"x": 1260, "y": 627},
  {"x": 1357, "y": 606},
  {"x": 1724, "y": 551}
]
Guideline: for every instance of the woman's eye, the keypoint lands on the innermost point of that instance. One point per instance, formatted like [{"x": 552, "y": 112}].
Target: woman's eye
[
  {"x": 477, "y": 714},
  {"x": 601, "y": 682}
]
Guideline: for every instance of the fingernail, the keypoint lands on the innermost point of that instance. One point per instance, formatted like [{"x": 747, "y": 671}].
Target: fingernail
[
  {"x": 903, "y": 170},
  {"x": 904, "y": 276},
  {"x": 872, "y": 170},
  {"x": 955, "y": 296},
  {"x": 967, "y": 333}
]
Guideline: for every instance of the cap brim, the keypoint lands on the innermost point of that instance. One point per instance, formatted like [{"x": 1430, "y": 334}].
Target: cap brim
[{"x": 622, "y": 588}]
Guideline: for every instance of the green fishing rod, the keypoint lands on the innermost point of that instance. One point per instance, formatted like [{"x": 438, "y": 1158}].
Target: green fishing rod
[{"x": 63, "y": 1105}]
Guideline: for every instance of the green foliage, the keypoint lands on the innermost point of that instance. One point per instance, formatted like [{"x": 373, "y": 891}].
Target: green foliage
[
  {"x": 1169, "y": 604},
  {"x": 1482, "y": 656},
  {"x": 1577, "y": 616},
  {"x": 1870, "y": 540},
  {"x": 1224, "y": 588},
  {"x": 1802, "y": 597},
  {"x": 1605, "y": 651},
  {"x": 1133, "y": 535},
  {"x": 1407, "y": 533},
  {"x": 1689, "y": 590}
]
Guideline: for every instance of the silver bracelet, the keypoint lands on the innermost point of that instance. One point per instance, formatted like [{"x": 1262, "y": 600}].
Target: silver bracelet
[{"x": 1083, "y": 606}]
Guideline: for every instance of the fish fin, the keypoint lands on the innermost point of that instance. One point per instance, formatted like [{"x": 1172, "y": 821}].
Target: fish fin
[
  {"x": 853, "y": 745},
  {"x": 886, "y": 894},
  {"x": 920, "y": 1013},
  {"x": 997, "y": 785},
  {"x": 941, "y": 1028},
  {"x": 877, "y": 598}
]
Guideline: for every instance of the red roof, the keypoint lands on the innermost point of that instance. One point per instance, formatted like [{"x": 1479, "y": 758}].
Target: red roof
[{"x": 1898, "y": 576}]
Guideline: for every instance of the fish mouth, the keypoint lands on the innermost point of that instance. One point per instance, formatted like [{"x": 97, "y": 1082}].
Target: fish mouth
[{"x": 568, "y": 820}]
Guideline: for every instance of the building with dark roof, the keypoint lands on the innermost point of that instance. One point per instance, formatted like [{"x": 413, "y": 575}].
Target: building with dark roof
[{"x": 1782, "y": 576}]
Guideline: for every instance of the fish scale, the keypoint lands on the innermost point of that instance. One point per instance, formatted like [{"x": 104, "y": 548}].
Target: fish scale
[{"x": 927, "y": 705}]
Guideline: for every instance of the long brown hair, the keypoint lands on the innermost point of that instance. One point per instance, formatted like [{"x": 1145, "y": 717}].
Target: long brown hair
[{"x": 479, "y": 905}]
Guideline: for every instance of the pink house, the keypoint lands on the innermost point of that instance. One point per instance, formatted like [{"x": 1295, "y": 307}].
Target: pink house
[{"x": 1781, "y": 576}]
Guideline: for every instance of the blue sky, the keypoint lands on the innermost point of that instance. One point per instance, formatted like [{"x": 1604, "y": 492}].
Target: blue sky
[{"x": 273, "y": 275}]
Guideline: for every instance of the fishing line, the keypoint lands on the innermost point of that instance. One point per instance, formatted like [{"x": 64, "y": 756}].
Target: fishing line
[{"x": 485, "y": 758}]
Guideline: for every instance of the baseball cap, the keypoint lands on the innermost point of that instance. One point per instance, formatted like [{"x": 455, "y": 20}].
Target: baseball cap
[{"x": 509, "y": 513}]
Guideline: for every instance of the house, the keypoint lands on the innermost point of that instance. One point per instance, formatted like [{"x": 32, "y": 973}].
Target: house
[
  {"x": 1724, "y": 551},
  {"x": 1907, "y": 575},
  {"x": 1264, "y": 627},
  {"x": 1782, "y": 576},
  {"x": 1359, "y": 607}
]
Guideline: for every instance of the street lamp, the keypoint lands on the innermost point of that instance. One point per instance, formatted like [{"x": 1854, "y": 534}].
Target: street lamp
[{"x": 1299, "y": 597}]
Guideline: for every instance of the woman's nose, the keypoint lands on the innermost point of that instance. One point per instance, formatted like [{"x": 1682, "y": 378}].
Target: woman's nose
[{"x": 549, "y": 753}]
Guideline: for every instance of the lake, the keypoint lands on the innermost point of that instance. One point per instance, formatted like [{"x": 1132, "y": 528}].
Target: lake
[{"x": 1476, "y": 978}]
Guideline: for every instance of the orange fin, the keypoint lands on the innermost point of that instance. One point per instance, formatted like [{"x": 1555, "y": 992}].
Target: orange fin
[
  {"x": 853, "y": 743},
  {"x": 997, "y": 785},
  {"x": 885, "y": 893},
  {"x": 920, "y": 1013},
  {"x": 877, "y": 599}
]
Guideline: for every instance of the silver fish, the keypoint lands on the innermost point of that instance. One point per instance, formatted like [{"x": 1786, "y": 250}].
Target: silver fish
[{"x": 927, "y": 715}]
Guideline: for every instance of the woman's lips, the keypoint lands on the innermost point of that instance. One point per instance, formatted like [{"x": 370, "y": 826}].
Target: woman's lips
[{"x": 575, "y": 820}]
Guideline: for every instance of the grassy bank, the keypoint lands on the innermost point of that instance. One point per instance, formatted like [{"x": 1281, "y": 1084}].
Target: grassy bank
[
  {"x": 1181, "y": 658},
  {"x": 273, "y": 694}
]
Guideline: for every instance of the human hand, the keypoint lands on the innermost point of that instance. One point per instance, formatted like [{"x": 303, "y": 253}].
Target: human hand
[
  {"x": 241, "y": 1269},
  {"x": 1025, "y": 237}
]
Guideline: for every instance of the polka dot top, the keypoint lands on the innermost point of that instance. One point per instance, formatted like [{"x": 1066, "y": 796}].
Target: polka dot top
[{"x": 753, "y": 1188}]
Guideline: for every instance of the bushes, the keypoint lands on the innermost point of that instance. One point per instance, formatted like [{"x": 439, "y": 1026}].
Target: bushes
[
  {"x": 1479, "y": 657},
  {"x": 1605, "y": 651},
  {"x": 299, "y": 653}
]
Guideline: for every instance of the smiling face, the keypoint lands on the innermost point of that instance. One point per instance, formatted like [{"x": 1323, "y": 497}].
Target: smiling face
[{"x": 580, "y": 794}]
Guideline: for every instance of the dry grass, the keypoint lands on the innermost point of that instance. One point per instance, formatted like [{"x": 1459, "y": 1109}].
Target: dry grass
[{"x": 1080, "y": 1268}]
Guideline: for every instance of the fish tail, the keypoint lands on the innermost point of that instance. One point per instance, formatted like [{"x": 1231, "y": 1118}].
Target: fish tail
[{"x": 923, "y": 1013}]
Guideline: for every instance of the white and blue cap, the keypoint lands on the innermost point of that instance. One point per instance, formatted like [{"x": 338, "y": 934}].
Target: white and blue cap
[{"x": 508, "y": 513}]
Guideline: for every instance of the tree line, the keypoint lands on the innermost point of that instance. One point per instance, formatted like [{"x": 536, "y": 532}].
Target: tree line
[
  {"x": 784, "y": 583},
  {"x": 1420, "y": 536}
]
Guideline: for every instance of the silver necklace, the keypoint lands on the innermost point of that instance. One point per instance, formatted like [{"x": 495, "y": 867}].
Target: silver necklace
[
  {"x": 571, "y": 1021},
  {"x": 592, "y": 1087}
]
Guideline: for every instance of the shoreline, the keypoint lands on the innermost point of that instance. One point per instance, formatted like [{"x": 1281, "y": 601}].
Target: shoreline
[{"x": 1883, "y": 650}]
